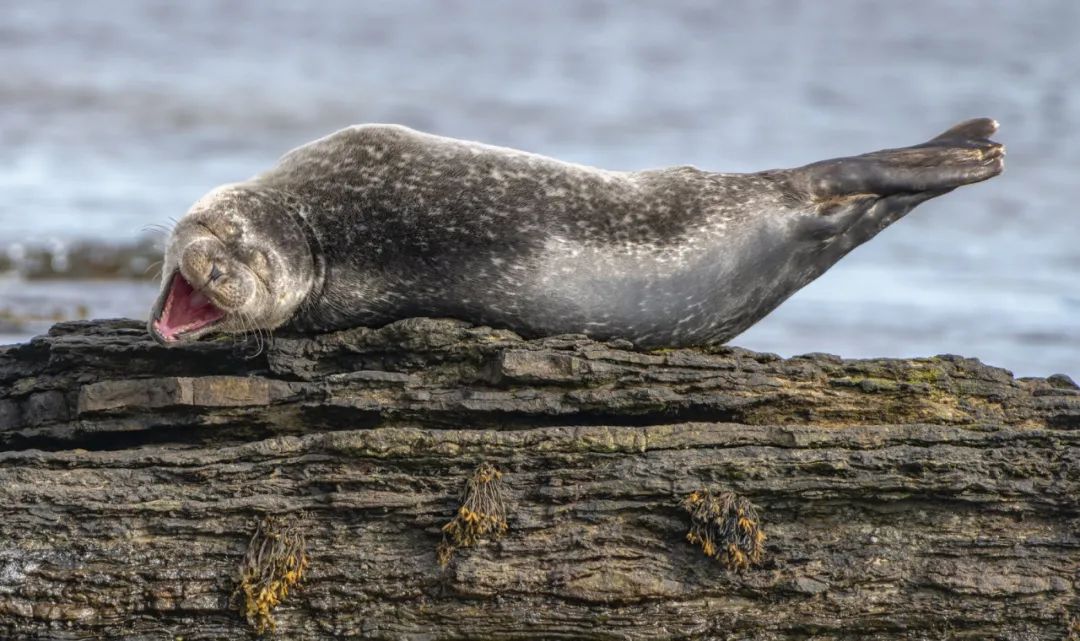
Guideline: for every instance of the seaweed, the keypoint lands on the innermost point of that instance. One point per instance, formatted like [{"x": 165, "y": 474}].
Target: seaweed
[
  {"x": 727, "y": 528},
  {"x": 481, "y": 515},
  {"x": 275, "y": 561}
]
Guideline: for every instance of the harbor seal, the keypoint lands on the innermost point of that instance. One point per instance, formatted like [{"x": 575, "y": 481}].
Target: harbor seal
[{"x": 377, "y": 223}]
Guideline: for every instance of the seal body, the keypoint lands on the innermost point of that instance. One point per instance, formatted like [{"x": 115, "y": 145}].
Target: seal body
[{"x": 379, "y": 222}]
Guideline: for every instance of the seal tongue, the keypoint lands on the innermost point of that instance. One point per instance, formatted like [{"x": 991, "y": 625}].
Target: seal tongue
[{"x": 185, "y": 310}]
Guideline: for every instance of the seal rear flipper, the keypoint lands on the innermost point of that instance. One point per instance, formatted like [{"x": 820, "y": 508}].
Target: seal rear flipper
[
  {"x": 960, "y": 156},
  {"x": 974, "y": 129}
]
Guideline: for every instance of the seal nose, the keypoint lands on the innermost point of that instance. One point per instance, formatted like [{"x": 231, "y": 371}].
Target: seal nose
[{"x": 215, "y": 273}]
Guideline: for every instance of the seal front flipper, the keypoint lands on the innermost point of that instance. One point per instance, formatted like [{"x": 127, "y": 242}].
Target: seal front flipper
[{"x": 962, "y": 155}]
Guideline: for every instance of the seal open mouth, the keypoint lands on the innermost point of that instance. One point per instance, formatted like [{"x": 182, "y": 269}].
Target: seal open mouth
[{"x": 186, "y": 310}]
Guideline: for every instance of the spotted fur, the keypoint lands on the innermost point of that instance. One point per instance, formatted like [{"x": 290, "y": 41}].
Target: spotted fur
[{"x": 376, "y": 223}]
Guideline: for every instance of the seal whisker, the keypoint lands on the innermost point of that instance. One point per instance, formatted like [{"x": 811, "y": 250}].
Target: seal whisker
[
  {"x": 237, "y": 336},
  {"x": 241, "y": 335},
  {"x": 256, "y": 332},
  {"x": 156, "y": 264},
  {"x": 264, "y": 336},
  {"x": 156, "y": 229},
  {"x": 269, "y": 339}
]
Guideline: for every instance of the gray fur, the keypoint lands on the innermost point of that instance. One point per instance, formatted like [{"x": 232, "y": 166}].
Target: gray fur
[{"x": 400, "y": 223}]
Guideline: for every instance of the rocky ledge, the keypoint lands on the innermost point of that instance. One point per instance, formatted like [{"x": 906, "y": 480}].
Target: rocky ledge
[{"x": 434, "y": 480}]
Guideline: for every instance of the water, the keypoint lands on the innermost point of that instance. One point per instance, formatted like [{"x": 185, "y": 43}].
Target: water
[{"x": 119, "y": 114}]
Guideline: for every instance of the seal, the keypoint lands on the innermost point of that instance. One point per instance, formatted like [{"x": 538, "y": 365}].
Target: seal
[{"x": 376, "y": 223}]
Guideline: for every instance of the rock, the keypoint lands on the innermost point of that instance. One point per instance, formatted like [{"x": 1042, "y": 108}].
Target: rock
[{"x": 900, "y": 498}]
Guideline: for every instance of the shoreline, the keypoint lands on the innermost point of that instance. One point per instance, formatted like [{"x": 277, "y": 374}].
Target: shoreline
[
  {"x": 79, "y": 260},
  {"x": 30, "y": 307}
]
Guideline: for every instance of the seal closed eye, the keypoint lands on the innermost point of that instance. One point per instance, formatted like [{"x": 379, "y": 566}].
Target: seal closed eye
[{"x": 376, "y": 223}]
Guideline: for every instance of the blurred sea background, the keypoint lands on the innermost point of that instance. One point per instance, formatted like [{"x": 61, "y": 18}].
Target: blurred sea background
[{"x": 118, "y": 114}]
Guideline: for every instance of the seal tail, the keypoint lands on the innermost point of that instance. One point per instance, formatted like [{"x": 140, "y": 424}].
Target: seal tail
[{"x": 960, "y": 156}]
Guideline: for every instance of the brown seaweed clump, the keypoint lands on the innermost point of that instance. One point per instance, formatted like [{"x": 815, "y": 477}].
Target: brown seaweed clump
[
  {"x": 482, "y": 513},
  {"x": 727, "y": 528},
  {"x": 275, "y": 562}
]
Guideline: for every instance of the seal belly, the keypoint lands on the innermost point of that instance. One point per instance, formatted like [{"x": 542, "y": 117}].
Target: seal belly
[{"x": 694, "y": 292}]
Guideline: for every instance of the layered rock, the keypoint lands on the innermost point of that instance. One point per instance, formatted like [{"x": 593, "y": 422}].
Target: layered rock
[{"x": 926, "y": 498}]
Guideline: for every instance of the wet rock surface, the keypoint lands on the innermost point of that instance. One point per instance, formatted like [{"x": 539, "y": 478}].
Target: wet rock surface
[{"x": 911, "y": 499}]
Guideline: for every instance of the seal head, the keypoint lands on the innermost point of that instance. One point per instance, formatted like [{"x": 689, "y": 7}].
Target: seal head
[{"x": 238, "y": 261}]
